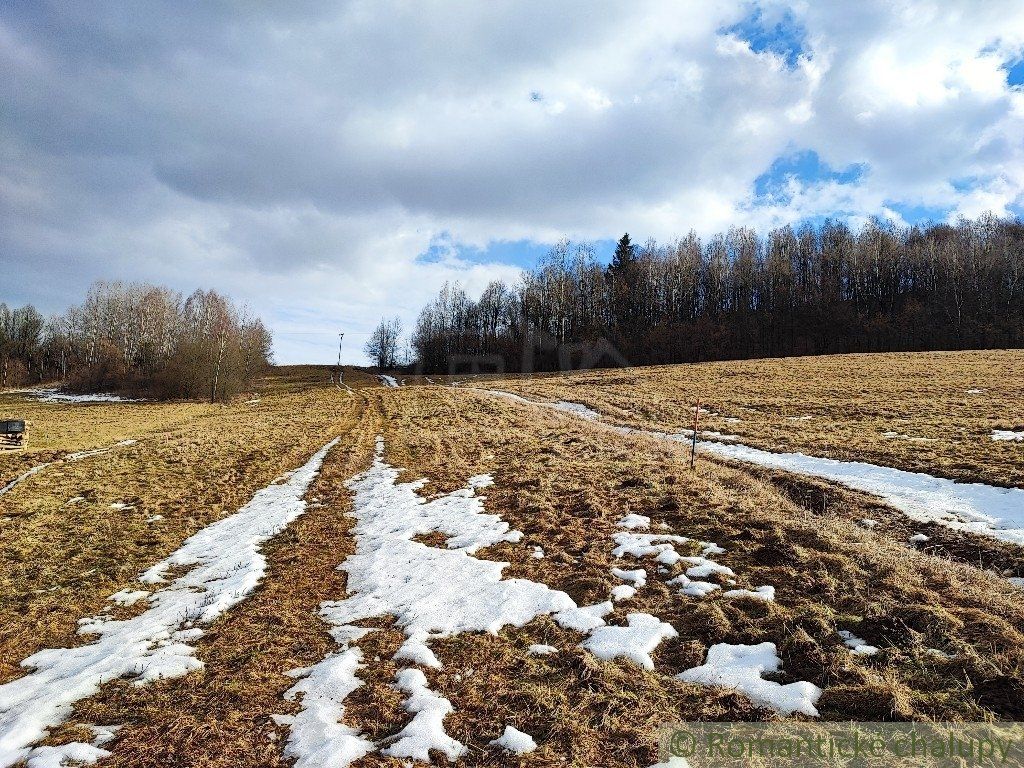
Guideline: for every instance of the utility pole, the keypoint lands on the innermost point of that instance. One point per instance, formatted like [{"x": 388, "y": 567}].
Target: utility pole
[{"x": 340, "y": 337}]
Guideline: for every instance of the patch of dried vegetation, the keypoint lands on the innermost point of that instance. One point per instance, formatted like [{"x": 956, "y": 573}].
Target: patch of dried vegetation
[
  {"x": 952, "y": 648},
  {"x": 938, "y": 408}
]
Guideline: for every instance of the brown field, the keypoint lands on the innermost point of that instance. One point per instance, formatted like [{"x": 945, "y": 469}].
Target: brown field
[
  {"x": 838, "y": 406},
  {"x": 948, "y": 626}
]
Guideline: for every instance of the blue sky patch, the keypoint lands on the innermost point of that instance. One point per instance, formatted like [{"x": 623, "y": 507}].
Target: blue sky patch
[
  {"x": 806, "y": 167},
  {"x": 917, "y": 213},
  {"x": 781, "y": 34},
  {"x": 524, "y": 254},
  {"x": 1015, "y": 72}
]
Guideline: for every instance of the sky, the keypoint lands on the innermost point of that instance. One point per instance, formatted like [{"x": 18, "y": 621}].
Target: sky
[{"x": 328, "y": 164}]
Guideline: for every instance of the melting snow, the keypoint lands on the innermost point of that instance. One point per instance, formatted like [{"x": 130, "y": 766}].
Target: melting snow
[
  {"x": 318, "y": 738},
  {"x": 856, "y": 644},
  {"x": 635, "y": 522},
  {"x": 637, "y": 578},
  {"x": 741, "y": 666},
  {"x": 765, "y": 594},
  {"x": 577, "y": 409},
  {"x": 78, "y": 456},
  {"x": 1008, "y": 435},
  {"x": 635, "y": 641},
  {"x": 66, "y": 754},
  {"x": 426, "y": 729},
  {"x": 585, "y": 618},
  {"x": 225, "y": 564},
  {"x": 515, "y": 741},
  {"x": 56, "y": 396},
  {"x": 388, "y": 381},
  {"x": 623, "y": 592},
  {"x": 918, "y": 538},
  {"x": 539, "y": 649},
  {"x": 431, "y": 592},
  {"x": 1017, "y": 581}
]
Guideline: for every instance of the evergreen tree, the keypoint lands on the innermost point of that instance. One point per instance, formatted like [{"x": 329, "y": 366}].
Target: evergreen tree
[{"x": 624, "y": 257}]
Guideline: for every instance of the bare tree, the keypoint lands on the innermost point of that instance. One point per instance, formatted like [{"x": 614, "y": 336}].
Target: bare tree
[{"x": 383, "y": 345}]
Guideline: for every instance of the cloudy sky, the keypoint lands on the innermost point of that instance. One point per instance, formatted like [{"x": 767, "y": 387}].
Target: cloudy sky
[{"x": 329, "y": 163}]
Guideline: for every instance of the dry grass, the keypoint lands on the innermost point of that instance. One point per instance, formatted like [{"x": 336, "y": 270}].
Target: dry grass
[
  {"x": 852, "y": 401},
  {"x": 564, "y": 483},
  {"x": 191, "y": 465}
]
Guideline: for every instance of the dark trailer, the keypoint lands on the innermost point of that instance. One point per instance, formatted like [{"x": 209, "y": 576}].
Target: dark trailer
[{"x": 12, "y": 434}]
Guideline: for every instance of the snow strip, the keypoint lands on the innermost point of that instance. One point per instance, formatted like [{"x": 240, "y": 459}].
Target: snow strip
[
  {"x": 78, "y": 456},
  {"x": 388, "y": 381},
  {"x": 75, "y": 753},
  {"x": 318, "y": 739},
  {"x": 1008, "y": 435},
  {"x": 515, "y": 741},
  {"x": 426, "y": 730},
  {"x": 577, "y": 409},
  {"x": 971, "y": 507},
  {"x": 225, "y": 565},
  {"x": 56, "y": 396},
  {"x": 740, "y": 667},
  {"x": 574, "y": 409}
]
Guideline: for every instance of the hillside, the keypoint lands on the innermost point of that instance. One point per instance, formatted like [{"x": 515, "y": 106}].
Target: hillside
[{"x": 357, "y": 536}]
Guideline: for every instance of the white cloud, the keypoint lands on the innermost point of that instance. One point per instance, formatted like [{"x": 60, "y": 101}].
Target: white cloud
[{"x": 302, "y": 157}]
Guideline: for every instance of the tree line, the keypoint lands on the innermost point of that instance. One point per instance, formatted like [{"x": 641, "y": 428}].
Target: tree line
[
  {"x": 137, "y": 339},
  {"x": 810, "y": 290}
]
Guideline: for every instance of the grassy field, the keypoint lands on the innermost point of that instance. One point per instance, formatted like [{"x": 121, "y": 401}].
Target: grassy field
[
  {"x": 929, "y": 412},
  {"x": 948, "y": 625}
]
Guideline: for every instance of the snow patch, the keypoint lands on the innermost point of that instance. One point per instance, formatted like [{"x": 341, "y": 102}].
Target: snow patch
[
  {"x": 577, "y": 409},
  {"x": 430, "y": 591},
  {"x": 128, "y": 597},
  {"x": 741, "y": 667},
  {"x": 585, "y": 618},
  {"x": 515, "y": 741},
  {"x": 388, "y": 381},
  {"x": 637, "y": 578},
  {"x": 635, "y": 522},
  {"x": 539, "y": 649},
  {"x": 318, "y": 737},
  {"x": 856, "y": 644},
  {"x": 765, "y": 594},
  {"x": 78, "y": 456},
  {"x": 426, "y": 730},
  {"x": 635, "y": 642}
]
